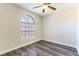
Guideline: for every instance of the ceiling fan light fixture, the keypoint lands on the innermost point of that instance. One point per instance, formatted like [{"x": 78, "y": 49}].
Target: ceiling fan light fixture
[{"x": 45, "y": 6}]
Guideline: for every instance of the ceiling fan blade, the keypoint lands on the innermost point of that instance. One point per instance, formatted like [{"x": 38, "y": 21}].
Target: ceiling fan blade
[
  {"x": 53, "y": 8},
  {"x": 46, "y": 3},
  {"x": 43, "y": 11},
  {"x": 41, "y": 5},
  {"x": 37, "y": 6}
]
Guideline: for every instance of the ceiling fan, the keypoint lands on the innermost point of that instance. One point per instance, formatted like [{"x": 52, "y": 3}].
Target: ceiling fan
[{"x": 45, "y": 5}]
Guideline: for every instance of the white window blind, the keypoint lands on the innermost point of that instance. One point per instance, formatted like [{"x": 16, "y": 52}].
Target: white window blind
[{"x": 28, "y": 27}]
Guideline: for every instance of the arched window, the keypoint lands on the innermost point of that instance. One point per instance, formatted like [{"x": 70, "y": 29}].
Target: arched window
[
  {"x": 28, "y": 27},
  {"x": 28, "y": 19}
]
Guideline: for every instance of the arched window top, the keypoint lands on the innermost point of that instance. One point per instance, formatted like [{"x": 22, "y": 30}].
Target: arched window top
[{"x": 28, "y": 19}]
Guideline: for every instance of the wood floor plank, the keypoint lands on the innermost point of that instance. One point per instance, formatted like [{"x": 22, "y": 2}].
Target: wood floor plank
[{"x": 58, "y": 49}]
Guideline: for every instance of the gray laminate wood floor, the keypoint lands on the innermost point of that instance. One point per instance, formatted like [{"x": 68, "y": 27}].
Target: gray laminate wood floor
[{"x": 43, "y": 48}]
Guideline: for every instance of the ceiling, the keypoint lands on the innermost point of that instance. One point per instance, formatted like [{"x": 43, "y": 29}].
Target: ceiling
[{"x": 58, "y": 6}]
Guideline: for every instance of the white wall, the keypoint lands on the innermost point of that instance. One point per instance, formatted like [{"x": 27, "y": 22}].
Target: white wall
[
  {"x": 60, "y": 27},
  {"x": 10, "y": 34},
  {"x": 78, "y": 28}
]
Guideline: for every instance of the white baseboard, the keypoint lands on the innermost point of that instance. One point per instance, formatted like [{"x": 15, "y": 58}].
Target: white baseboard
[
  {"x": 61, "y": 43},
  {"x": 14, "y": 48},
  {"x": 78, "y": 50}
]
